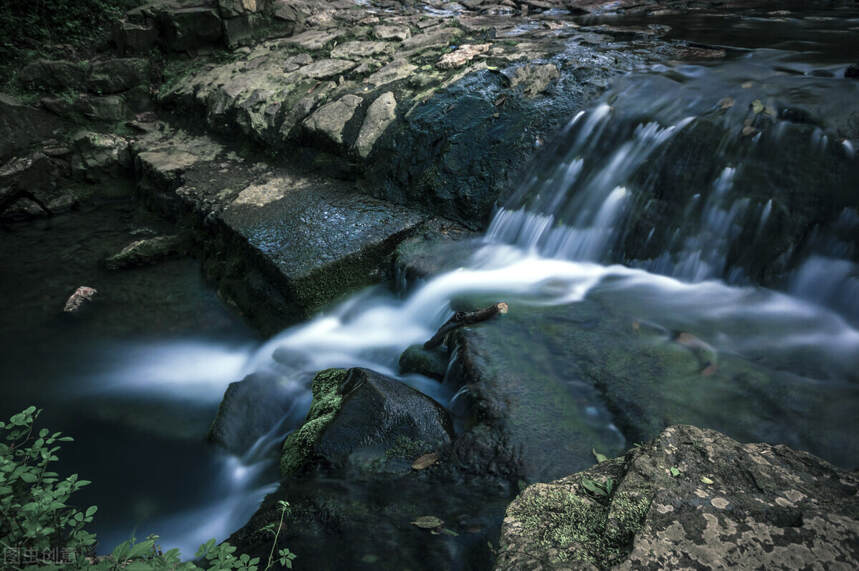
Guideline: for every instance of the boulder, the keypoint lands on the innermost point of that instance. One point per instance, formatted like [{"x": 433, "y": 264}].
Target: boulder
[
  {"x": 852, "y": 71},
  {"x": 147, "y": 252},
  {"x": 54, "y": 75},
  {"x": 117, "y": 75},
  {"x": 250, "y": 409},
  {"x": 691, "y": 498},
  {"x": 436, "y": 38},
  {"x": 392, "y": 32},
  {"x": 98, "y": 154},
  {"x": 359, "y": 416}
]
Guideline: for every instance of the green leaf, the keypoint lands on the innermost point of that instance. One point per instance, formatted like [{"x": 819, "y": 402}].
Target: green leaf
[
  {"x": 593, "y": 487},
  {"x": 598, "y": 456},
  {"x": 707, "y": 480},
  {"x": 90, "y": 511},
  {"x": 141, "y": 549},
  {"x": 28, "y": 477},
  {"x": 757, "y": 106},
  {"x": 675, "y": 472}
]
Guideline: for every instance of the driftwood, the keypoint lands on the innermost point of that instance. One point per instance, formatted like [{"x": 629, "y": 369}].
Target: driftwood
[{"x": 461, "y": 318}]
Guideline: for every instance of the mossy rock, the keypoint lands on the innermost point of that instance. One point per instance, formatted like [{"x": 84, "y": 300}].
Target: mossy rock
[{"x": 365, "y": 421}]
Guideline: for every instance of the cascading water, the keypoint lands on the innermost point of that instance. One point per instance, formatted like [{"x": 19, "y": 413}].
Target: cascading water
[{"x": 686, "y": 189}]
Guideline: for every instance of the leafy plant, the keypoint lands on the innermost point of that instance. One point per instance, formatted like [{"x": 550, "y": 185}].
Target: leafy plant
[
  {"x": 36, "y": 520},
  {"x": 598, "y": 489}
]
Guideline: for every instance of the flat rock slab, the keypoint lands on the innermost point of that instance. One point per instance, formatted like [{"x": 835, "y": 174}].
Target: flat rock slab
[
  {"x": 287, "y": 243},
  {"x": 692, "y": 498},
  {"x": 323, "y": 238}
]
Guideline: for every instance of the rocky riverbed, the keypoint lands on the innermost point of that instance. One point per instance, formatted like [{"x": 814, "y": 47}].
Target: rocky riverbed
[{"x": 303, "y": 151}]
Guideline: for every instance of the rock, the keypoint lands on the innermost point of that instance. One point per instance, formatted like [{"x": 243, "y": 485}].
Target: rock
[
  {"x": 461, "y": 56},
  {"x": 147, "y": 252},
  {"x": 232, "y": 8},
  {"x": 380, "y": 114},
  {"x": 117, "y": 75},
  {"x": 186, "y": 29},
  {"x": 360, "y": 49},
  {"x": 428, "y": 362},
  {"x": 313, "y": 39},
  {"x": 243, "y": 29},
  {"x": 326, "y": 68},
  {"x": 390, "y": 32},
  {"x": 394, "y": 71},
  {"x": 433, "y": 39},
  {"x": 98, "y": 154},
  {"x": 357, "y": 413},
  {"x": 22, "y": 125},
  {"x": 330, "y": 119},
  {"x": 132, "y": 37},
  {"x": 77, "y": 299},
  {"x": 690, "y": 498},
  {"x": 534, "y": 79},
  {"x": 290, "y": 12},
  {"x": 54, "y": 75},
  {"x": 249, "y": 410},
  {"x": 852, "y": 71}
]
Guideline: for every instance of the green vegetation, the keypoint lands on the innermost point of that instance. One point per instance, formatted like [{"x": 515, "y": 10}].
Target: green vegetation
[
  {"x": 298, "y": 446},
  {"x": 40, "y": 24},
  {"x": 38, "y": 529}
]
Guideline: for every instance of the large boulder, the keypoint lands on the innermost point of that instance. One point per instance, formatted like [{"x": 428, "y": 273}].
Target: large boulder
[
  {"x": 117, "y": 75},
  {"x": 359, "y": 418},
  {"x": 691, "y": 498},
  {"x": 46, "y": 75}
]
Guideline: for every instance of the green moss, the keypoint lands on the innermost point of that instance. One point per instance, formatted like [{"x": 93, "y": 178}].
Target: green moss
[
  {"x": 298, "y": 446},
  {"x": 573, "y": 527}
]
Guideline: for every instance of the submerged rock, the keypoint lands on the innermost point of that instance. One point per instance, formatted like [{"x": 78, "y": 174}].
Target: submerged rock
[
  {"x": 690, "y": 498},
  {"x": 146, "y": 252},
  {"x": 359, "y": 418},
  {"x": 249, "y": 410},
  {"x": 428, "y": 362}
]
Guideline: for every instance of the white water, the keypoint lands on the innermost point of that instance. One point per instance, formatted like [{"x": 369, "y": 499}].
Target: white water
[{"x": 544, "y": 248}]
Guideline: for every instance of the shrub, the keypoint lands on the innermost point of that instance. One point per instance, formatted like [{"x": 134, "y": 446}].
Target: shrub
[{"x": 39, "y": 528}]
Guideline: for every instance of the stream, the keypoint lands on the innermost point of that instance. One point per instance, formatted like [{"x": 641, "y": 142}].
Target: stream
[{"x": 696, "y": 197}]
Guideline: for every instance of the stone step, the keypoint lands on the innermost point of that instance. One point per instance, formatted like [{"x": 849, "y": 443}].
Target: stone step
[{"x": 279, "y": 243}]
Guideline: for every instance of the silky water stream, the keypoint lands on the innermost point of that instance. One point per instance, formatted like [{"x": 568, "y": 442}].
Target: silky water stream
[{"x": 712, "y": 199}]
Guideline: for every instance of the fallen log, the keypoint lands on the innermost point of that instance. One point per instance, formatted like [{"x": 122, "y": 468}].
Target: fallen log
[{"x": 461, "y": 318}]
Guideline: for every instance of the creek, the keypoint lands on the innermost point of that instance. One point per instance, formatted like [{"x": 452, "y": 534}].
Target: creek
[{"x": 709, "y": 198}]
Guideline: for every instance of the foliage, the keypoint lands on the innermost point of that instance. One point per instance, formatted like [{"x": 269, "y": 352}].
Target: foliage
[
  {"x": 40, "y": 27},
  {"x": 38, "y": 528}
]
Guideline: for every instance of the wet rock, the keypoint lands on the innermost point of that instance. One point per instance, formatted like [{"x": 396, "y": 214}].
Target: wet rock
[
  {"x": 54, "y": 74},
  {"x": 852, "y": 71},
  {"x": 358, "y": 414},
  {"x": 691, "y": 497},
  {"x": 380, "y": 115},
  {"x": 117, "y": 75},
  {"x": 250, "y": 409},
  {"x": 428, "y": 362},
  {"x": 330, "y": 119},
  {"x": 289, "y": 12},
  {"x": 392, "y": 32},
  {"x": 147, "y": 252}
]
